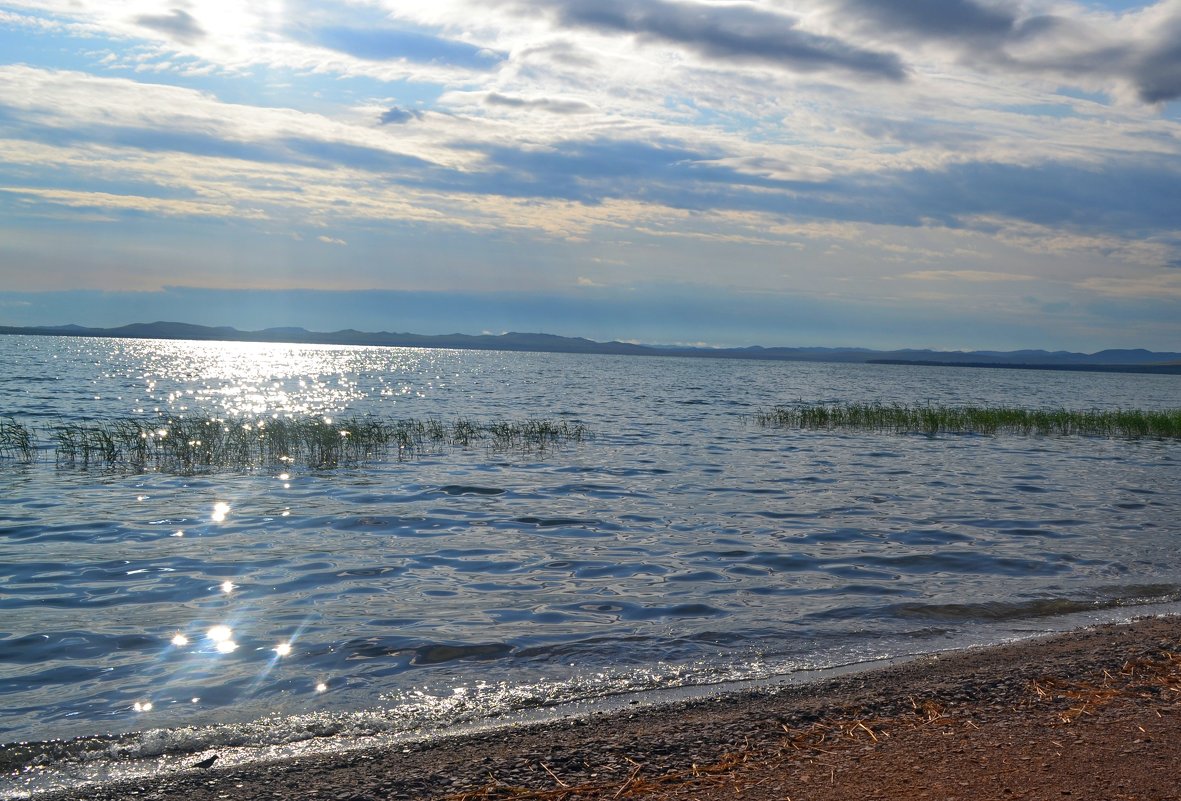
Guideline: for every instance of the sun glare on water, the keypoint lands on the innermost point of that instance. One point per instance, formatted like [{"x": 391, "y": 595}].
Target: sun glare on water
[{"x": 223, "y": 639}]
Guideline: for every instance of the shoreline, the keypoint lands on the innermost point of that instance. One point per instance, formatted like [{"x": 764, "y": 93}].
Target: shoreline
[
  {"x": 1105, "y": 702},
  {"x": 1120, "y": 360}
]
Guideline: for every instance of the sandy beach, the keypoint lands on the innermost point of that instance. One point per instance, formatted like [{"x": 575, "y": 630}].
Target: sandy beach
[{"x": 1090, "y": 714}]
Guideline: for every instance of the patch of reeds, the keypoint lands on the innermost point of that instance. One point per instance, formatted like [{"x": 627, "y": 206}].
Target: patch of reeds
[
  {"x": 897, "y": 418},
  {"x": 194, "y": 444},
  {"x": 16, "y": 441}
]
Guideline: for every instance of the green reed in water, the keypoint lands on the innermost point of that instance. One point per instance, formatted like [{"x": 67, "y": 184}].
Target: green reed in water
[
  {"x": 16, "y": 441},
  {"x": 197, "y": 443},
  {"x": 896, "y": 418}
]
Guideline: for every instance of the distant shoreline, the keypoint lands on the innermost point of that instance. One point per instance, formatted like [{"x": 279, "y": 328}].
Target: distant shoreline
[
  {"x": 1159, "y": 369},
  {"x": 1108, "y": 361}
]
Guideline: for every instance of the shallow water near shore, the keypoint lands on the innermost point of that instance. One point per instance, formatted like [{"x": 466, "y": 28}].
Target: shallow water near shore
[{"x": 682, "y": 545}]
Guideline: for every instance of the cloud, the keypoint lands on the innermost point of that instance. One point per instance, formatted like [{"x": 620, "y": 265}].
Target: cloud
[
  {"x": 394, "y": 44},
  {"x": 1133, "y": 198},
  {"x": 475, "y": 171},
  {"x": 743, "y": 33},
  {"x": 553, "y": 106},
  {"x": 941, "y": 18},
  {"x": 971, "y": 276},
  {"x": 1147, "y": 63},
  {"x": 1153, "y": 287},
  {"x": 1139, "y": 50},
  {"x": 399, "y": 116},
  {"x": 327, "y": 240},
  {"x": 73, "y": 108},
  {"x": 128, "y": 203},
  {"x": 179, "y": 24},
  {"x": 1157, "y": 73}
]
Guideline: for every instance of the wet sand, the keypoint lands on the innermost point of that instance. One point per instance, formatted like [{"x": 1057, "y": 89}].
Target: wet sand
[{"x": 1093, "y": 714}]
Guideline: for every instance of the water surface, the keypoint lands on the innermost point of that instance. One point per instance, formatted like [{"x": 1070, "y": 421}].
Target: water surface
[{"x": 682, "y": 545}]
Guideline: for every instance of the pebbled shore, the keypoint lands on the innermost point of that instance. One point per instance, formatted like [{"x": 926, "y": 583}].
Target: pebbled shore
[{"x": 1093, "y": 714}]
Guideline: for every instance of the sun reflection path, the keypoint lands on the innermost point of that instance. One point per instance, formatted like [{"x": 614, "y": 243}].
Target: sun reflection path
[
  {"x": 223, "y": 639},
  {"x": 267, "y": 378}
]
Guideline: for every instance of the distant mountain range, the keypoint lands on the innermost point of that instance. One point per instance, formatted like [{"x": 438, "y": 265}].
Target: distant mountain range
[{"x": 1135, "y": 360}]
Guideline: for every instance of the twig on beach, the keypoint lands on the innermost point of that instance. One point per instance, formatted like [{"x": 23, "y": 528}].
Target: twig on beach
[
  {"x": 553, "y": 775},
  {"x": 630, "y": 779},
  {"x": 868, "y": 730}
]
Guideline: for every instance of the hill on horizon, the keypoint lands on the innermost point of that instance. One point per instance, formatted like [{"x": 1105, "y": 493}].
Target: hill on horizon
[{"x": 1115, "y": 359}]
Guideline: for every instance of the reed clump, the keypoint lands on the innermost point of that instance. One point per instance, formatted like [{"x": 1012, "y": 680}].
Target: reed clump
[
  {"x": 197, "y": 443},
  {"x": 16, "y": 441},
  {"x": 989, "y": 420}
]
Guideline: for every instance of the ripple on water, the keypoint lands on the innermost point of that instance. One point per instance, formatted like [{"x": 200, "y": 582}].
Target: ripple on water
[
  {"x": 469, "y": 489},
  {"x": 682, "y": 544}
]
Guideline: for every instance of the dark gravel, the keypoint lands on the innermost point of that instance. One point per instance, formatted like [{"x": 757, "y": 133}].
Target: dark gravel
[{"x": 982, "y": 687}]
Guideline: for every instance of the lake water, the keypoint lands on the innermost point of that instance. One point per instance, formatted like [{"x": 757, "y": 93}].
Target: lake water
[{"x": 680, "y": 545}]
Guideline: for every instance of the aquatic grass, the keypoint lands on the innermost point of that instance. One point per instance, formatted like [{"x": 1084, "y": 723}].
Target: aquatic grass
[
  {"x": 16, "y": 441},
  {"x": 189, "y": 444},
  {"x": 989, "y": 420}
]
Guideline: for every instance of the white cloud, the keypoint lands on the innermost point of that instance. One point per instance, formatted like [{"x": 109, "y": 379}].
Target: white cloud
[
  {"x": 971, "y": 276},
  {"x": 164, "y": 207},
  {"x": 1162, "y": 286}
]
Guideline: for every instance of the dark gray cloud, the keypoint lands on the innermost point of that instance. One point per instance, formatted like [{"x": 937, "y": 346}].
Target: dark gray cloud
[
  {"x": 941, "y": 18},
  {"x": 399, "y": 116},
  {"x": 988, "y": 35},
  {"x": 1157, "y": 73},
  {"x": 1151, "y": 66},
  {"x": 539, "y": 103},
  {"x": 732, "y": 32},
  {"x": 179, "y": 24},
  {"x": 1128, "y": 199},
  {"x": 1125, "y": 199}
]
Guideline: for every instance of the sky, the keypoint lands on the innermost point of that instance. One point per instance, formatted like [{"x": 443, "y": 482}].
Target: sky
[{"x": 991, "y": 174}]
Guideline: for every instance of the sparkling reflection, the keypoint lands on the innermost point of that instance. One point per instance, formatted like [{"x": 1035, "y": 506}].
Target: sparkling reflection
[
  {"x": 220, "y": 510},
  {"x": 250, "y": 379},
  {"x": 223, "y": 639},
  {"x": 179, "y": 640}
]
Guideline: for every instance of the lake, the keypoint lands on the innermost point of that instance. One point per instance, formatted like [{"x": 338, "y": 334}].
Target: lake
[{"x": 154, "y": 614}]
